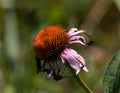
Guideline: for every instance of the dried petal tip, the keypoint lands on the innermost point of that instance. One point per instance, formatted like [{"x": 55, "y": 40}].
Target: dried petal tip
[
  {"x": 90, "y": 42},
  {"x": 50, "y": 74},
  {"x": 85, "y": 69}
]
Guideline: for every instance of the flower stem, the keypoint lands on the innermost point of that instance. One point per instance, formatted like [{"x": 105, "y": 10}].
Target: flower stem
[{"x": 83, "y": 84}]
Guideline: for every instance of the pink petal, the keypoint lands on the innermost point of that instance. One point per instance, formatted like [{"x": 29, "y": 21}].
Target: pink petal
[
  {"x": 77, "y": 32},
  {"x": 76, "y": 61},
  {"x": 74, "y": 38},
  {"x": 63, "y": 59},
  {"x": 77, "y": 41},
  {"x": 72, "y": 30},
  {"x": 85, "y": 69},
  {"x": 76, "y": 55},
  {"x": 72, "y": 62}
]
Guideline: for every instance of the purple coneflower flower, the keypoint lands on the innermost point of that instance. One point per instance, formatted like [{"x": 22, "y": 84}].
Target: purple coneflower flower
[{"x": 50, "y": 45}]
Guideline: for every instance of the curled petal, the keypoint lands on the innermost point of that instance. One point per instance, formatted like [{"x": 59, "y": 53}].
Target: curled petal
[
  {"x": 50, "y": 74},
  {"x": 58, "y": 64},
  {"x": 77, "y": 32},
  {"x": 63, "y": 59},
  {"x": 78, "y": 41},
  {"x": 74, "y": 31},
  {"x": 74, "y": 38},
  {"x": 76, "y": 55},
  {"x": 76, "y": 61},
  {"x": 72, "y": 62},
  {"x": 85, "y": 69}
]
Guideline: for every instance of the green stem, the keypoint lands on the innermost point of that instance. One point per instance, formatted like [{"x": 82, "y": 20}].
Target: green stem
[{"x": 83, "y": 84}]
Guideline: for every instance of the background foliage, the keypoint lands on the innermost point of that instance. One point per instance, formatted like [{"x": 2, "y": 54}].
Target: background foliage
[{"x": 20, "y": 20}]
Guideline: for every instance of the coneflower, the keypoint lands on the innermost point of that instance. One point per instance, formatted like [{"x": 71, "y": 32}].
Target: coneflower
[{"x": 50, "y": 45}]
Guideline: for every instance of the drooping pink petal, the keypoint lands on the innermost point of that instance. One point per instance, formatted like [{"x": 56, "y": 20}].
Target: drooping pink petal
[
  {"x": 63, "y": 59},
  {"x": 74, "y": 31},
  {"x": 77, "y": 32},
  {"x": 76, "y": 55},
  {"x": 85, "y": 69},
  {"x": 74, "y": 38},
  {"x": 76, "y": 61},
  {"x": 72, "y": 62},
  {"x": 77, "y": 37},
  {"x": 77, "y": 41},
  {"x": 49, "y": 75}
]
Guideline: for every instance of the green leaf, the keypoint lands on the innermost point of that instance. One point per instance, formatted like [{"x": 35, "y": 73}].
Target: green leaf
[
  {"x": 111, "y": 81},
  {"x": 117, "y": 3}
]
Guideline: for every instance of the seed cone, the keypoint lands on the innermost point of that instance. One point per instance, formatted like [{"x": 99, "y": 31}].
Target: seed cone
[{"x": 50, "y": 42}]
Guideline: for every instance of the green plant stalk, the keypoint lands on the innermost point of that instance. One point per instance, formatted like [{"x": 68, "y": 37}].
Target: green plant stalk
[{"x": 81, "y": 82}]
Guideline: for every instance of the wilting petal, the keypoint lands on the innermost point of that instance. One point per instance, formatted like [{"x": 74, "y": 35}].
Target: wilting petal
[
  {"x": 77, "y": 32},
  {"x": 72, "y": 62},
  {"x": 80, "y": 59},
  {"x": 73, "y": 38},
  {"x": 77, "y": 41},
  {"x": 72, "y": 30},
  {"x": 74, "y": 59},
  {"x": 85, "y": 69},
  {"x": 50, "y": 74},
  {"x": 58, "y": 64},
  {"x": 76, "y": 55},
  {"x": 63, "y": 59}
]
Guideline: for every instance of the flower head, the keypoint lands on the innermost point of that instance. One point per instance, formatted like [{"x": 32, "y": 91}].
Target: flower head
[{"x": 50, "y": 45}]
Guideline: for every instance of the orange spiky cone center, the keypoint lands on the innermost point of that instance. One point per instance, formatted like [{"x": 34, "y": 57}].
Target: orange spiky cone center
[{"x": 50, "y": 42}]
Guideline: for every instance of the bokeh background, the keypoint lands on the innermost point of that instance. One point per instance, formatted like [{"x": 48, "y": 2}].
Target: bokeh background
[{"x": 20, "y": 20}]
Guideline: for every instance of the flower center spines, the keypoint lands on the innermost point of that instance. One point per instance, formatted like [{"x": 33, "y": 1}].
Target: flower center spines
[{"x": 50, "y": 41}]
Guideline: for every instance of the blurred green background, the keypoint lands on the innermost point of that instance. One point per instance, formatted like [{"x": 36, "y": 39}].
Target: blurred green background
[{"x": 20, "y": 20}]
